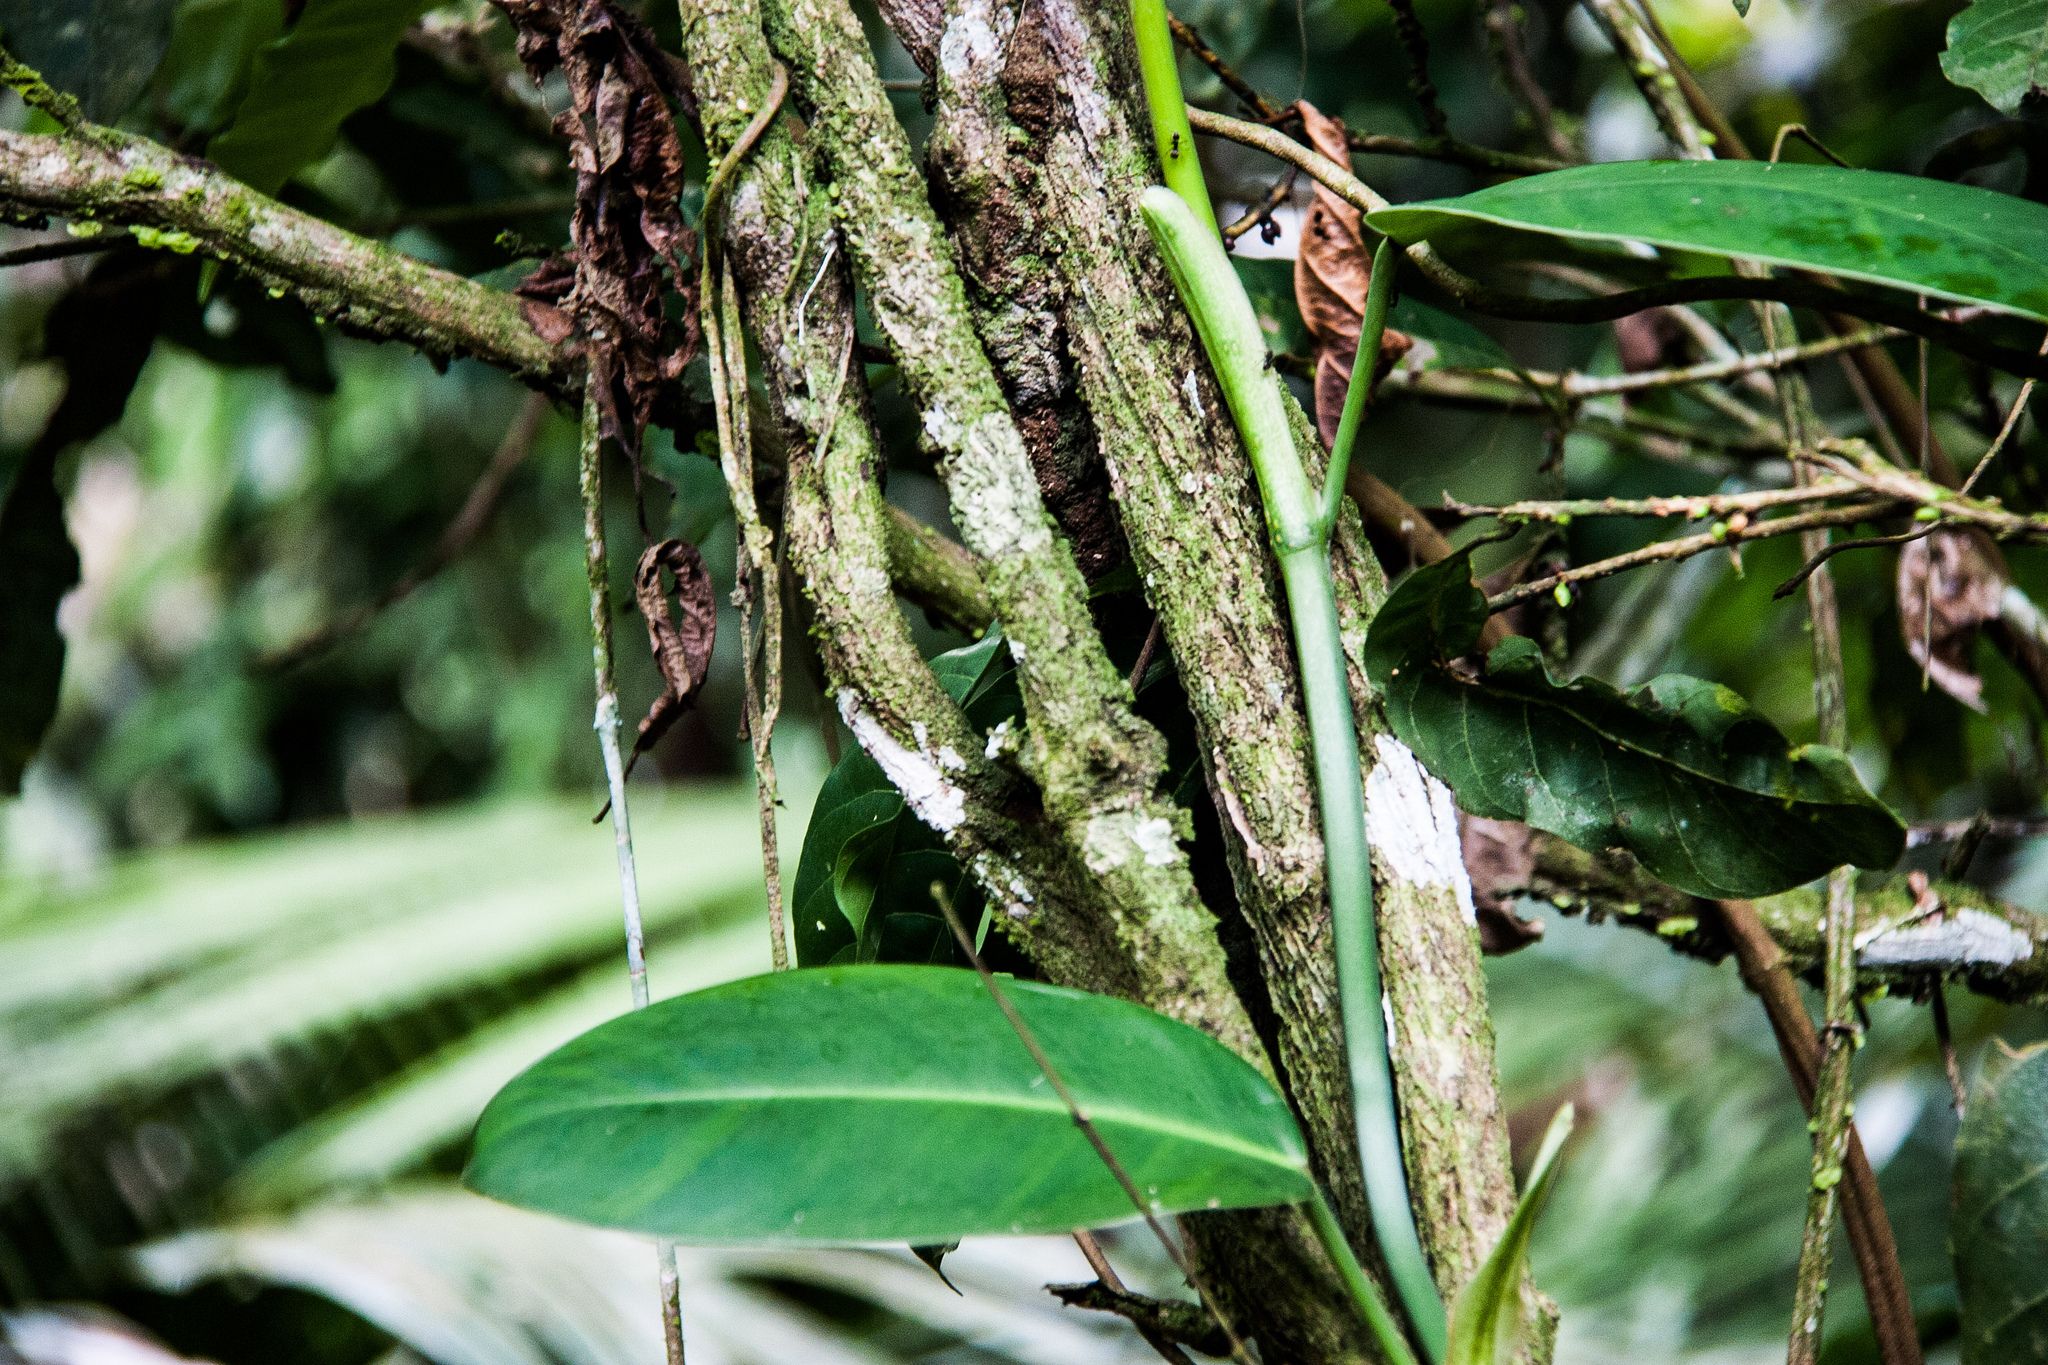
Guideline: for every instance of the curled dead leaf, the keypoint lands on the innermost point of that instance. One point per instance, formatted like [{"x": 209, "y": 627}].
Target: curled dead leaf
[
  {"x": 1332, "y": 271},
  {"x": 632, "y": 247},
  {"x": 681, "y": 640},
  {"x": 1949, "y": 585},
  {"x": 1500, "y": 859}
]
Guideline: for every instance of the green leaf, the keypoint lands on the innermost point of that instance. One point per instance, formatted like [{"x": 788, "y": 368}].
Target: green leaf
[
  {"x": 334, "y": 61},
  {"x": 2001, "y": 1211},
  {"x": 1486, "y": 1317},
  {"x": 38, "y": 565},
  {"x": 213, "y": 49},
  {"x": 102, "y": 51},
  {"x": 1452, "y": 340},
  {"x": 1950, "y": 241},
  {"x": 1999, "y": 48},
  {"x": 881, "y": 1103},
  {"x": 1705, "y": 793},
  {"x": 864, "y": 845}
]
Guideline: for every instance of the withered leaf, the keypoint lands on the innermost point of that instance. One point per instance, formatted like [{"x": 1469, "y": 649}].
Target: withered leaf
[
  {"x": 1500, "y": 859},
  {"x": 1949, "y": 585},
  {"x": 1332, "y": 271},
  {"x": 680, "y": 640},
  {"x": 631, "y": 245}
]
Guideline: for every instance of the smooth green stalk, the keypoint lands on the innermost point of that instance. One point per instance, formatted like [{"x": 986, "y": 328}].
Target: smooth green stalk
[
  {"x": 1370, "y": 1306},
  {"x": 1379, "y": 296},
  {"x": 1230, "y": 334},
  {"x": 1171, "y": 133}
]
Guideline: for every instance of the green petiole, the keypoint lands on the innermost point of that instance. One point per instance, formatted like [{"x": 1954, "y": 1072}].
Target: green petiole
[
  {"x": 1171, "y": 134},
  {"x": 1300, "y": 531},
  {"x": 1372, "y": 329}
]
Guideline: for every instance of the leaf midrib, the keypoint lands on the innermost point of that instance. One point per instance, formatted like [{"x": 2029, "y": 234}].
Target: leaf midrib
[{"x": 1097, "y": 1114}]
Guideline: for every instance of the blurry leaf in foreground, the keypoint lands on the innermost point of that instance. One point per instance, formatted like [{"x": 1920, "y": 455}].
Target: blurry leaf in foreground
[
  {"x": 1680, "y": 772},
  {"x": 102, "y": 51},
  {"x": 462, "y": 1281},
  {"x": 1999, "y": 48},
  {"x": 2000, "y": 1224},
  {"x": 1949, "y": 586},
  {"x": 881, "y": 1103},
  {"x": 79, "y": 1336},
  {"x": 1486, "y": 1317}
]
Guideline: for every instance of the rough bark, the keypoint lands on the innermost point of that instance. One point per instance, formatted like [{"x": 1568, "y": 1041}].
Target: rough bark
[
  {"x": 1097, "y": 766},
  {"x": 179, "y": 203},
  {"x": 1039, "y": 165}
]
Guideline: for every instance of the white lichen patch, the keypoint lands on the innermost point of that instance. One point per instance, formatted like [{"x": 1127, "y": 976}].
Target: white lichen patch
[
  {"x": 998, "y": 739},
  {"x": 972, "y": 39},
  {"x": 1412, "y": 823},
  {"x": 995, "y": 494},
  {"x": 1155, "y": 840},
  {"x": 934, "y": 798},
  {"x": 1961, "y": 938}
]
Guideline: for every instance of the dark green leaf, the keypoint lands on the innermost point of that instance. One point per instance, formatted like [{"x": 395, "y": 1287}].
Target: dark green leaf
[
  {"x": 2001, "y": 1211},
  {"x": 102, "y": 51},
  {"x": 335, "y": 60},
  {"x": 1486, "y": 1318},
  {"x": 1452, "y": 340},
  {"x": 1680, "y": 772},
  {"x": 37, "y": 566},
  {"x": 861, "y": 1104},
  {"x": 863, "y": 844},
  {"x": 213, "y": 48},
  {"x": 1947, "y": 240},
  {"x": 1999, "y": 48}
]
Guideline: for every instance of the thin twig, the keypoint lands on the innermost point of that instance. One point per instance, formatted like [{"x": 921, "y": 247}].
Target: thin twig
[
  {"x": 1105, "y": 1274},
  {"x": 590, "y": 467},
  {"x": 1689, "y": 507},
  {"x": 61, "y": 249},
  {"x": 1262, "y": 212},
  {"x": 1573, "y": 385},
  {"x": 454, "y": 541},
  {"x": 1944, "y": 1039},
  {"x": 760, "y": 579},
  {"x": 1415, "y": 47},
  {"x": 2005, "y": 430},
  {"x": 1948, "y": 831},
  {"x": 1238, "y": 1349},
  {"x": 1505, "y": 27},
  {"x": 1682, "y": 547},
  {"x": 1763, "y": 969}
]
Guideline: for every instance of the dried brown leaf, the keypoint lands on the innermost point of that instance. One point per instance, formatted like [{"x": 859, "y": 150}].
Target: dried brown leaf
[
  {"x": 1500, "y": 858},
  {"x": 632, "y": 247},
  {"x": 1949, "y": 585},
  {"x": 681, "y": 640},
  {"x": 1332, "y": 271}
]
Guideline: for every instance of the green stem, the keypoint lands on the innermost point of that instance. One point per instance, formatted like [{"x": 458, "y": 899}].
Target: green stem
[
  {"x": 1379, "y": 296},
  {"x": 1371, "y": 1306},
  {"x": 1173, "y": 137},
  {"x": 1230, "y": 334}
]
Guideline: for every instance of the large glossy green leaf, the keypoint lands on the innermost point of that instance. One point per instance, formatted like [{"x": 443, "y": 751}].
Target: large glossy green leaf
[
  {"x": 1999, "y": 48},
  {"x": 213, "y": 50},
  {"x": 1486, "y": 1317},
  {"x": 881, "y": 1103},
  {"x": 1946, "y": 240},
  {"x": 2001, "y": 1211},
  {"x": 333, "y": 61},
  {"x": 102, "y": 51},
  {"x": 1680, "y": 772}
]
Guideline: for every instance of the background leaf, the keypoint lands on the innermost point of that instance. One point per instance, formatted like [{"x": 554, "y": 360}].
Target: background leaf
[
  {"x": 881, "y": 1103},
  {"x": 102, "y": 51},
  {"x": 335, "y": 60},
  {"x": 1680, "y": 772},
  {"x": 1951, "y": 241},
  {"x": 2001, "y": 1212},
  {"x": 1998, "y": 48}
]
